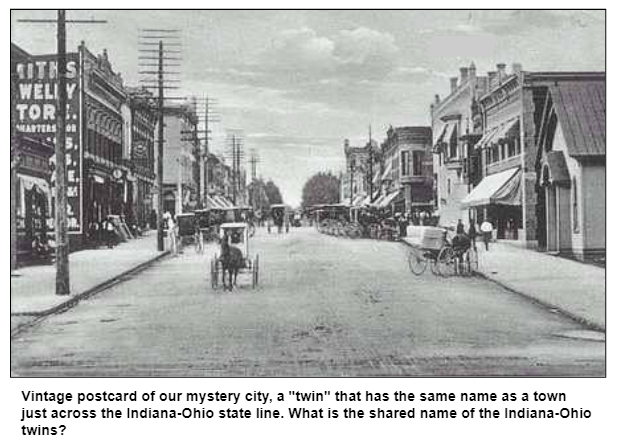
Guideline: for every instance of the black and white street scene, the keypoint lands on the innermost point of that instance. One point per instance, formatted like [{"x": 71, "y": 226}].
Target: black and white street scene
[{"x": 308, "y": 193}]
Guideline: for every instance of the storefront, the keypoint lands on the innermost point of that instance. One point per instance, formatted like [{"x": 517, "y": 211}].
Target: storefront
[
  {"x": 497, "y": 198},
  {"x": 33, "y": 197}
]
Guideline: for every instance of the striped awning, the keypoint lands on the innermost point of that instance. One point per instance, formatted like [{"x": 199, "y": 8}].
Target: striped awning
[
  {"x": 30, "y": 182},
  {"x": 502, "y": 188},
  {"x": 498, "y": 133}
]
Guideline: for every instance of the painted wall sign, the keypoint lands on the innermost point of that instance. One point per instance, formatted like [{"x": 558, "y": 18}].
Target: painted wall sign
[{"x": 35, "y": 111}]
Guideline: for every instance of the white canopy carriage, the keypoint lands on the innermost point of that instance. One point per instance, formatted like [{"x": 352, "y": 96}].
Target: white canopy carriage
[{"x": 237, "y": 234}]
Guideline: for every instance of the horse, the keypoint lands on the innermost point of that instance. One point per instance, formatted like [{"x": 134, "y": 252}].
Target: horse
[{"x": 232, "y": 261}]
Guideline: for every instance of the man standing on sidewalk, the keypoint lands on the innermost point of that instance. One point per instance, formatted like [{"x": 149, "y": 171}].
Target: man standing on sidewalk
[
  {"x": 472, "y": 233},
  {"x": 487, "y": 229}
]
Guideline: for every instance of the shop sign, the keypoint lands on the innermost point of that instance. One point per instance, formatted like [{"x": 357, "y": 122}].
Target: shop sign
[
  {"x": 35, "y": 112},
  {"x": 117, "y": 174}
]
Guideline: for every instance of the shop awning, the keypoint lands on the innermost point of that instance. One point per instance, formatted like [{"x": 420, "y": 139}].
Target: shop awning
[
  {"x": 377, "y": 201},
  {"x": 502, "y": 188},
  {"x": 218, "y": 200},
  {"x": 487, "y": 136},
  {"x": 227, "y": 202},
  {"x": 387, "y": 171},
  {"x": 29, "y": 182},
  {"x": 494, "y": 135},
  {"x": 376, "y": 177},
  {"x": 446, "y": 130},
  {"x": 210, "y": 202},
  {"x": 358, "y": 200},
  {"x": 367, "y": 201},
  {"x": 388, "y": 199},
  {"x": 506, "y": 130},
  {"x": 452, "y": 130}
]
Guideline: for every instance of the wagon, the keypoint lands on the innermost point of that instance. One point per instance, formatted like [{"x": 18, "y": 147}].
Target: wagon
[
  {"x": 238, "y": 233},
  {"x": 280, "y": 217},
  {"x": 430, "y": 245},
  {"x": 427, "y": 246}
]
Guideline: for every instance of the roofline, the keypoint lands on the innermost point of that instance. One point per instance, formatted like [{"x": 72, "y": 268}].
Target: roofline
[
  {"x": 565, "y": 76},
  {"x": 19, "y": 52}
]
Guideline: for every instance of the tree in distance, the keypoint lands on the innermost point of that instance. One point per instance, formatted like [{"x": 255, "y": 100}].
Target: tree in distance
[{"x": 321, "y": 188}]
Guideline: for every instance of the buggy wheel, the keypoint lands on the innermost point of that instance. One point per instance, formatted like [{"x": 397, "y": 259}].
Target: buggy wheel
[
  {"x": 417, "y": 261},
  {"x": 214, "y": 273},
  {"x": 447, "y": 262}
]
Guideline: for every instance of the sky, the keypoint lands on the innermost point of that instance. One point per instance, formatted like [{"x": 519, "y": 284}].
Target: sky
[{"x": 300, "y": 82}]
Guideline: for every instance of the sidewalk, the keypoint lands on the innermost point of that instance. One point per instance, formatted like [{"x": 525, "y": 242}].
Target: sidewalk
[
  {"x": 575, "y": 288},
  {"x": 32, "y": 292}
]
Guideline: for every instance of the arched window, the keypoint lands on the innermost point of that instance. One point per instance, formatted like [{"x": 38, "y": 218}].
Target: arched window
[{"x": 575, "y": 206}]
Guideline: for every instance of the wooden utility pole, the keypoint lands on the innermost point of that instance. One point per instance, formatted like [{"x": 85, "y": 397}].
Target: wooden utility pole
[
  {"x": 234, "y": 169},
  {"x": 196, "y": 137},
  {"x": 209, "y": 117},
  {"x": 62, "y": 241},
  {"x": 155, "y": 60},
  {"x": 204, "y": 165},
  {"x": 160, "y": 233},
  {"x": 234, "y": 143},
  {"x": 370, "y": 166},
  {"x": 253, "y": 161}
]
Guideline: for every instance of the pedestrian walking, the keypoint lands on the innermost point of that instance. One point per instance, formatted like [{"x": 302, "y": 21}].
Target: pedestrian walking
[
  {"x": 487, "y": 229},
  {"x": 110, "y": 232},
  {"x": 472, "y": 233},
  {"x": 460, "y": 227},
  {"x": 172, "y": 232}
]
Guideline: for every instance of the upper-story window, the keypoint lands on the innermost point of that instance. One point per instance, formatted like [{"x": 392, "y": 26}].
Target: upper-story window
[
  {"x": 452, "y": 143},
  {"x": 417, "y": 163},
  {"x": 405, "y": 163}
]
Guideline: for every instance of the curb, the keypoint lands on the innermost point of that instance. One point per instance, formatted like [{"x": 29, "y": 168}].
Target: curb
[
  {"x": 74, "y": 300},
  {"x": 540, "y": 302},
  {"x": 591, "y": 325}
]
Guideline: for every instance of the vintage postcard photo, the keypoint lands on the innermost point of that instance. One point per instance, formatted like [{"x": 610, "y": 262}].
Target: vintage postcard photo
[{"x": 308, "y": 193}]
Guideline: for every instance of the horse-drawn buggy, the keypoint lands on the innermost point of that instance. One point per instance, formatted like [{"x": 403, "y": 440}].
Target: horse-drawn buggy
[
  {"x": 280, "y": 217},
  {"x": 234, "y": 257},
  {"x": 431, "y": 246}
]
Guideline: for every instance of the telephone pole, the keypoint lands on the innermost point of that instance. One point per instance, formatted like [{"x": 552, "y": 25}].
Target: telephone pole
[
  {"x": 203, "y": 135},
  {"x": 63, "y": 280},
  {"x": 62, "y": 244},
  {"x": 253, "y": 161},
  {"x": 157, "y": 48},
  {"x": 235, "y": 141},
  {"x": 370, "y": 166}
]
